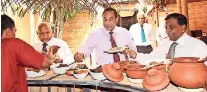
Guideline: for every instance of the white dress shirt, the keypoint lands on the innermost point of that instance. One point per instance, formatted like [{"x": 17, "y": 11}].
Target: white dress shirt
[
  {"x": 161, "y": 33},
  {"x": 99, "y": 41},
  {"x": 135, "y": 31},
  {"x": 64, "y": 52},
  {"x": 187, "y": 47}
]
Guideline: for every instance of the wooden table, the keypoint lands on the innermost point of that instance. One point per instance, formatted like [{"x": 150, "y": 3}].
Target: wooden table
[{"x": 65, "y": 80}]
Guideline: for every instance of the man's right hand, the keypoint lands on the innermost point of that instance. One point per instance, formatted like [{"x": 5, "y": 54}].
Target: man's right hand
[{"x": 78, "y": 57}]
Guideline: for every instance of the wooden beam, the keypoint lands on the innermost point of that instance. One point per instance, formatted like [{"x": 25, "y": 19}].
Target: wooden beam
[{"x": 179, "y": 7}]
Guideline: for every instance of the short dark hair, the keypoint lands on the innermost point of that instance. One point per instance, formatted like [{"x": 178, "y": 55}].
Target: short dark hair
[
  {"x": 111, "y": 9},
  {"x": 6, "y": 22},
  {"x": 181, "y": 19}
]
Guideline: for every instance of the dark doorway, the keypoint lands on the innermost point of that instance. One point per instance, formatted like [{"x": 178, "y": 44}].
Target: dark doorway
[{"x": 126, "y": 22}]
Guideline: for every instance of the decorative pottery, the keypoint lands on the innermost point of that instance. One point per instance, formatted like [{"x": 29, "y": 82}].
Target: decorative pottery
[
  {"x": 113, "y": 72},
  {"x": 134, "y": 71},
  {"x": 122, "y": 65},
  {"x": 162, "y": 67},
  {"x": 155, "y": 80},
  {"x": 188, "y": 72}
]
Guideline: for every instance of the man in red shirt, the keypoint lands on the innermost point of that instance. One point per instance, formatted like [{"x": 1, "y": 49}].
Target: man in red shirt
[{"x": 15, "y": 56}]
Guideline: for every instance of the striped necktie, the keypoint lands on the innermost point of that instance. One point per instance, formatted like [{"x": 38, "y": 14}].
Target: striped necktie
[{"x": 113, "y": 43}]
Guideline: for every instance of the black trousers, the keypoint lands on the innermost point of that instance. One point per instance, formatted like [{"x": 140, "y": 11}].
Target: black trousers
[{"x": 144, "y": 49}]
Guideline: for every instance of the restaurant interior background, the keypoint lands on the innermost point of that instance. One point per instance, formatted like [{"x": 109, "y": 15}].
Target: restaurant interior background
[
  {"x": 74, "y": 20},
  {"x": 81, "y": 22}
]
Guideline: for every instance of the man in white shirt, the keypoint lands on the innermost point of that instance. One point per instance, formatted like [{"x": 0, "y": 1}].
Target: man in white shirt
[
  {"x": 142, "y": 34},
  {"x": 46, "y": 38},
  {"x": 103, "y": 39},
  {"x": 179, "y": 45}
]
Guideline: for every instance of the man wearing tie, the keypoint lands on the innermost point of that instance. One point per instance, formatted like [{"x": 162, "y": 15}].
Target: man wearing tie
[
  {"x": 103, "y": 39},
  {"x": 142, "y": 34},
  {"x": 179, "y": 45},
  {"x": 46, "y": 38}
]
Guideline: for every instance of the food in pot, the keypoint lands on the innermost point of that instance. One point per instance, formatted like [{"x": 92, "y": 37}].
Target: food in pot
[
  {"x": 80, "y": 71},
  {"x": 62, "y": 65},
  {"x": 81, "y": 66},
  {"x": 69, "y": 71}
]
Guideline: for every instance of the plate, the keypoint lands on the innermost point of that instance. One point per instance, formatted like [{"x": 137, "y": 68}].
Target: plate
[
  {"x": 116, "y": 50},
  {"x": 32, "y": 74},
  {"x": 61, "y": 70}
]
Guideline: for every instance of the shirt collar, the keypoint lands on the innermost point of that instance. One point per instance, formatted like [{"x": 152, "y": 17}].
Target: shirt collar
[
  {"x": 181, "y": 40},
  {"x": 114, "y": 30},
  {"x": 49, "y": 42}
]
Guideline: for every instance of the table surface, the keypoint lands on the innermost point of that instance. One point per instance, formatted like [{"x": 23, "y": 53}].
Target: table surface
[{"x": 70, "y": 80}]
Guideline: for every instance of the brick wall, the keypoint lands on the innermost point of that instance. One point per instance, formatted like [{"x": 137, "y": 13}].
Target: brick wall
[
  {"x": 77, "y": 29},
  {"x": 197, "y": 15}
]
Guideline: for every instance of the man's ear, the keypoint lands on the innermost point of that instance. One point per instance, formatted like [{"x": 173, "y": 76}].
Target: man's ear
[
  {"x": 184, "y": 27},
  {"x": 8, "y": 32},
  {"x": 117, "y": 19}
]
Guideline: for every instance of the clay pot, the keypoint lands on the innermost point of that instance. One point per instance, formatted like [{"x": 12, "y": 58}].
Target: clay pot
[
  {"x": 155, "y": 80},
  {"x": 133, "y": 62},
  {"x": 188, "y": 72},
  {"x": 113, "y": 72},
  {"x": 122, "y": 65},
  {"x": 162, "y": 67},
  {"x": 134, "y": 71}
]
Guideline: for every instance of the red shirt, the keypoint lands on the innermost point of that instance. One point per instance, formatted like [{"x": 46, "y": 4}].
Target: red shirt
[{"x": 15, "y": 56}]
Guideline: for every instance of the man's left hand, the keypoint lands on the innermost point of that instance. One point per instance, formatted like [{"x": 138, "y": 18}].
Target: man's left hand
[{"x": 131, "y": 53}]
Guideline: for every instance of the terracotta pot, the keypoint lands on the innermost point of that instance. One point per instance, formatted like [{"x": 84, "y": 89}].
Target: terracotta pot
[
  {"x": 188, "y": 72},
  {"x": 122, "y": 65},
  {"x": 162, "y": 67},
  {"x": 113, "y": 72},
  {"x": 134, "y": 71},
  {"x": 133, "y": 62},
  {"x": 155, "y": 80}
]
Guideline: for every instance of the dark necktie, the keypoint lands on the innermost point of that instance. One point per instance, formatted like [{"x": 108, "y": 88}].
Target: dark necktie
[
  {"x": 44, "y": 47},
  {"x": 113, "y": 43},
  {"x": 171, "y": 51},
  {"x": 143, "y": 34}
]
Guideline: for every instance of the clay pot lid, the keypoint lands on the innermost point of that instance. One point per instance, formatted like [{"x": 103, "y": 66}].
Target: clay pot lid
[
  {"x": 156, "y": 80},
  {"x": 113, "y": 72},
  {"x": 187, "y": 60}
]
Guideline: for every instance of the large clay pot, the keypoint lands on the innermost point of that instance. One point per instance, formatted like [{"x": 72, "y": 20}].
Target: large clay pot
[
  {"x": 124, "y": 63},
  {"x": 156, "y": 80},
  {"x": 134, "y": 71},
  {"x": 113, "y": 72},
  {"x": 188, "y": 72},
  {"x": 162, "y": 67}
]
